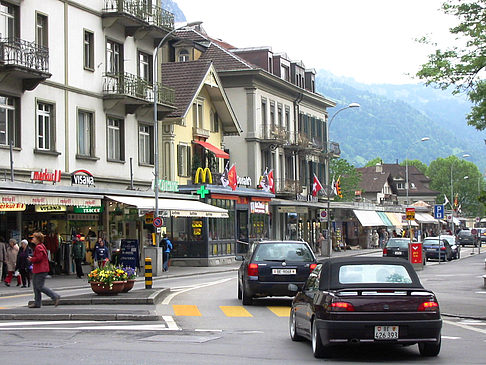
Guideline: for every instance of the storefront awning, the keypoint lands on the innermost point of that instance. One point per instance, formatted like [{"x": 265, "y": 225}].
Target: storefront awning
[
  {"x": 368, "y": 218},
  {"x": 173, "y": 207},
  {"x": 49, "y": 198},
  {"x": 385, "y": 219},
  {"x": 217, "y": 151},
  {"x": 425, "y": 218},
  {"x": 395, "y": 218}
]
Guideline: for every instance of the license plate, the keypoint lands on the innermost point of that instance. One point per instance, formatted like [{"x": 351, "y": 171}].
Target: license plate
[
  {"x": 284, "y": 271},
  {"x": 431, "y": 249},
  {"x": 386, "y": 332},
  {"x": 398, "y": 253}
]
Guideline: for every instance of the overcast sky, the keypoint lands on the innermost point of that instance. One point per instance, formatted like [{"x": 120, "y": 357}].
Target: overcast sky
[{"x": 372, "y": 41}]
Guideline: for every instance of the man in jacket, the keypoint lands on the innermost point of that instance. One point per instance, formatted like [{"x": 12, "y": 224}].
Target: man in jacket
[
  {"x": 102, "y": 253},
  {"x": 167, "y": 247},
  {"x": 79, "y": 255},
  {"x": 41, "y": 269}
]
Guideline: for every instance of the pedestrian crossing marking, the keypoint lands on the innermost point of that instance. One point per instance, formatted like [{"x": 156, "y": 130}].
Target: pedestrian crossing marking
[
  {"x": 280, "y": 311},
  {"x": 235, "y": 311},
  {"x": 186, "y": 310}
]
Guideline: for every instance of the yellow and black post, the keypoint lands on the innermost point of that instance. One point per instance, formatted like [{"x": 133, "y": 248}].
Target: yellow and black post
[{"x": 148, "y": 273}]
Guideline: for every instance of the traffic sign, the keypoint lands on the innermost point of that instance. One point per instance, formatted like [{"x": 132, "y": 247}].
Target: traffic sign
[
  {"x": 323, "y": 215},
  {"x": 410, "y": 214},
  {"x": 438, "y": 211},
  {"x": 158, "y": 222},
  {"x": 415, "y": 253},
  {"x": 478, "y": 219},
  {"x": 474, "y": 231}
]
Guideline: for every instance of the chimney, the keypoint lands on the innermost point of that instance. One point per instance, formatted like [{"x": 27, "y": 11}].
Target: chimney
[{"x": 379, "y": 168}]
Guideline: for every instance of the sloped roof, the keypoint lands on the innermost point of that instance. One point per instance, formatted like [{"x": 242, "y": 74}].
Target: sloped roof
[
  {"x": 372, "y": 181},
  {"x": 224, "y": 60}
]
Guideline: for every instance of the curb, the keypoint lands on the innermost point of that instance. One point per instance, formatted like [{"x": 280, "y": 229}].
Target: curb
[
  {"x": 79, "y": 317},
  {"x": 466, "y": 316}
]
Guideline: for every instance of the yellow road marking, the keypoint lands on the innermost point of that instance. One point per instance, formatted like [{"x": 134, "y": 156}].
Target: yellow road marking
[
  {"x": 280, "y": 311},
  {"x": 3, "y": 307},
  {"x": 235, "y": 311},
  {"x": 186, "y": 310}
]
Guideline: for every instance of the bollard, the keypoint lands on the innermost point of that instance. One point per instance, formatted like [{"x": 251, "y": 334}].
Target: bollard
[{"x": 148, "y": 273}]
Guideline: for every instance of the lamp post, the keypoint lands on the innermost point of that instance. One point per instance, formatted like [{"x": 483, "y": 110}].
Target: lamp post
[
  {"x": 466, "y": 155},
  {"x": 406, "y": 165},
  {"x": 156, "y": 127},
  {"x": 328, "y": 188}
]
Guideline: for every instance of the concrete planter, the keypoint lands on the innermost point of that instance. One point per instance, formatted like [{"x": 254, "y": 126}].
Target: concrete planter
[{"x": 105, "y": 289}]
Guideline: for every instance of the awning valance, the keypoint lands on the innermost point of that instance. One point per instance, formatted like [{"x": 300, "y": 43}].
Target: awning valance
[
  {"x": 368, "y": 218},
  {"x": 218, "y": 152},
  {"x": 173, "y": 207},
  {"x": 49, "y": 198},
  {"x": 425, "y": 218}
]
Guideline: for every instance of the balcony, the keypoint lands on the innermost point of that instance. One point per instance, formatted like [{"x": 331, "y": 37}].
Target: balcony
[
  {"x": 135, "y": 92},
  {"x": 273, "y": 135},
  {"x": 23, "y": 61},
  {"x": 138, "y": 17},
  {"x": 288, "y": 187}
]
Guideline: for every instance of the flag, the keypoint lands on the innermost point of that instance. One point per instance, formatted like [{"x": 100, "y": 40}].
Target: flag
[
  {"x": 232, "y": 177},
  {"x": 333, "y": 185},
  {"x": 446, "y": 201},
  {"x": 224, "y": 177},
  {"x": 271, "y": 181},
  {"x": 316, "y": 186},
  {"x": 264, "y": 183},
  {"x": 339, "y": 193}
]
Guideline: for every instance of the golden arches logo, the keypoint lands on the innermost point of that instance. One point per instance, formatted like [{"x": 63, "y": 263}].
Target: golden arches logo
[{"x": 202, "y": 173}]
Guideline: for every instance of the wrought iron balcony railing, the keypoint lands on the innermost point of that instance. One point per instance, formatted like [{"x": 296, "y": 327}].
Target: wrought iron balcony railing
[
  {"x": 288, "y": 186},
  {"x": 140, "y": 9},
  {"x": 273, "y": 133},
  {"x": 18, "y": 52},
  {"x": 131, "y": 85}
]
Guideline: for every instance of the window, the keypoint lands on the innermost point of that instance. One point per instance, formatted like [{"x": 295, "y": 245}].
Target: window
[
  {"x": 374, "y": 274},
  {"x": 197, "y": 114},
  {"x": 7, "y": 20},
  {"x": 272, "y": 114},
  {"x": 85, "y": 133},
  {"x": 183, "y": 55},
  {"x": 145, "y": 66},
  {"x": 9, "y": 123},
  {"x": 279, "y": 116},
  {"x": 145, "y": 144},
  {"x": 115, "y": 139},
  {"x": 214, "y": 122},
  {"x": 400, "y": 185},
  {"x": 113, "y": 57},
  {"x": 41, "y": 30},
  {"x": 264, "y": 112},
  {"x": 45, "y": 126},
  {"x": 88, "y": 50},
  {"x": 183, "y": 160},
  {"x": 285, "y": 73}
]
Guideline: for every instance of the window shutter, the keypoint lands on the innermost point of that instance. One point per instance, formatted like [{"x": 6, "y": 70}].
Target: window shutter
[
  {"x": 179, "y": 161},
  {"x": 188, "y": 172}
]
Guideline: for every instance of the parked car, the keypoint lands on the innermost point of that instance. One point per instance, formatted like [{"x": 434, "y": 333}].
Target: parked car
[
  {"x": 482, "y": 234},
  {"x": 455, "y": 247},
  {"x": 465, "y": 237},
  {"x": 398, "y": 247},
  {"x": 271, "y": 266},
  {"x": 434, "y": 250},
  {"x": 354, "y": 300}
]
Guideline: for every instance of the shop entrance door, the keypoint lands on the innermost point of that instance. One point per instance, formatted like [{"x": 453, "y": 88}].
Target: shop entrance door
[{"x": 242, "y": 230}]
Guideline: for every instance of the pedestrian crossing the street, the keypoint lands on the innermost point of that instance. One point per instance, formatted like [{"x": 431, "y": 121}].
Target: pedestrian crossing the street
[{"x": 230, "y": 311}]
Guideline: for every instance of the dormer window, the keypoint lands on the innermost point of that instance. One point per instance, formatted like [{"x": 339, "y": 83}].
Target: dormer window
[{"x": 183, "y": 55}]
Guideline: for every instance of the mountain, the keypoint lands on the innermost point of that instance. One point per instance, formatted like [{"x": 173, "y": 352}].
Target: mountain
[
  {"x": 172, "y": 6},
  {"x": 393, "y": 117}
]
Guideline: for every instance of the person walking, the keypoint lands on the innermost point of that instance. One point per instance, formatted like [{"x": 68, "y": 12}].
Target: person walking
[
  {"x": 320, "y": 242},
  {"x": 12, "y": 252},
  {"x": 23, "y": 263},
  {"x": 375, "y": 239},
  {"x": 3, "y": 257},
  {"x": 167, "y": 247},
  {"x": 40, "y": 270},
  {"x": 79, "y": 255},
  {"x": 101, "y": 253}
]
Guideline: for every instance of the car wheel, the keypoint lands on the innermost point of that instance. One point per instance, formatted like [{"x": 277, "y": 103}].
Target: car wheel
[
  {"x": 293, "y": 327},
  {"x": 246, "y": 299},
  {"x": 239, "y": 290},
  {"x": 429, "y": 349},
  {"x": 318, "y": 349},
  {"x": 449, "y": 257}
]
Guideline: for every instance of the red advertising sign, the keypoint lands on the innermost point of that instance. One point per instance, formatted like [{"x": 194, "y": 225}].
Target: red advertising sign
[{"x": 415, "y": 253}]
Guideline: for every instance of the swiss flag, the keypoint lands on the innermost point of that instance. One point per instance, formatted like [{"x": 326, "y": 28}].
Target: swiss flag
[
  {"x": 232, "y": 178},
  {"x": 271, "y": 182},
  {"x": 316, "y": 186}
]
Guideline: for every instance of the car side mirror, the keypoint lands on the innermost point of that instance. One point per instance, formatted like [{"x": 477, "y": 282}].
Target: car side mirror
[
  {"x": 239, "y": 258},
  {"x": 293, "y": 288}
]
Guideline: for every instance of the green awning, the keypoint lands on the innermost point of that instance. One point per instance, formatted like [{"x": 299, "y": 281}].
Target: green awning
[{"x": 385, "y": 219}]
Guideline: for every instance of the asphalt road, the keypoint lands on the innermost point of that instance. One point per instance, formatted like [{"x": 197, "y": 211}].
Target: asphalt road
[{"x": 204, "y": 323}]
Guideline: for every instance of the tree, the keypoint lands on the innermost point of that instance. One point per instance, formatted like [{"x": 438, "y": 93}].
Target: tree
[
  {"x": 462, "y": 65},
  {"x": 466, "y": 178},
  {"x": 350, "y": 178},
  {"x": 418, "y": 164},
  {"x": 373, "y": 162}
]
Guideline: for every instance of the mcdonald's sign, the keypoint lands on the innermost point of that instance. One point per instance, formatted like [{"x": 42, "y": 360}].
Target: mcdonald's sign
[{"x": 203, "y": 173}]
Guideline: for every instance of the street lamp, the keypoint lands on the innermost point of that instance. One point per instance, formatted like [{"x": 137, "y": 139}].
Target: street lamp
[
  {"x": 328, "y": 188},
  {"x": 156, "y": 127},
  {"x": 466, "y": 155},
  {"x": 406, "y": 164}
]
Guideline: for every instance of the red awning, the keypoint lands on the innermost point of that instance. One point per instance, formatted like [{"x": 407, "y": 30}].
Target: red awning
[{"x": 217, "y": 151}]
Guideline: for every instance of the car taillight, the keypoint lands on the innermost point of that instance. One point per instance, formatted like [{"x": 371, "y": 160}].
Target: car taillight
[
  {"x": 443, "y": 248},
  {"x": 385, "y": 251},
  {"x": 253, "y": 270},
  {"x": 428, "y": 306},
  {"x": 341, "y": 307},
  {"x": 312, "y": 266}
]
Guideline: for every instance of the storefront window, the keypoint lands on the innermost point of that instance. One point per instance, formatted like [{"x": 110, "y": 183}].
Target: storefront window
[
  {"x": 222, "y": 228},
  {"x": 259, "y": 226},
  {"x": 185, "y": 229}
]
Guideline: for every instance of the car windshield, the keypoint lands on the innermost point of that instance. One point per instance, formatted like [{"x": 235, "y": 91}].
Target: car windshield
[
  {"x": 374, "y": 274},
  {"x": 465, "y": 233},
  {"x": 280, "y": 251},
  {"x": 431, "y": 242},
  {"x": 402, "y": 243}
]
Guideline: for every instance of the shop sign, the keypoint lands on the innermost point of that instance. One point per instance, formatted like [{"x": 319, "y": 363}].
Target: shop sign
[
  {"x": 85, "y": 210},
  {"x": 50, "y": 208},
  {"x": 149, "y": 218},
  {"x": 167, "y": 186},
  {"x": 415, "y": 253},
  {"x": 291, "y": 209},
  {"x": 203, "y": 173},
  {"x": 82, "y": 177},
  {"x": 44, "y": 175},
  {"x": 410, "y": 212},
  {"x": 244, "y": 181},
  {"x": 197, "y": 228},
  {"x": 48, "y": 200},
  {"x": 12, "y": 207},
  {"x": 259, "y": 207},
  {"x": 307, "y": 198},
  {"x": 82, "y": 217}
]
